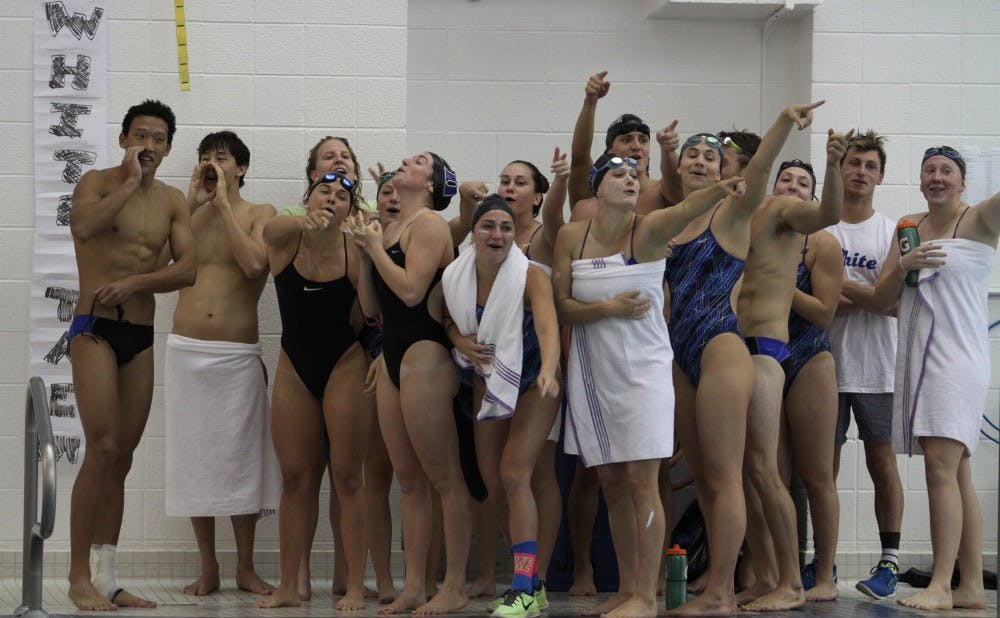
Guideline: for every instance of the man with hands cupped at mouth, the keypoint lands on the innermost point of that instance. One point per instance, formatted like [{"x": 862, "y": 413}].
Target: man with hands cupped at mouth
[{"x": 220, "y": 461}]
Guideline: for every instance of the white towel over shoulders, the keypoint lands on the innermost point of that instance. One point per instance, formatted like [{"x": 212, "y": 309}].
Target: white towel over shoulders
[{"x": 500, "y": 327}]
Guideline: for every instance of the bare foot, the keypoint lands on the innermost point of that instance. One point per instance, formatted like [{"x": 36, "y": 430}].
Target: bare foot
[
  {"x": 823, "y": 591},
  {"x": 280, "y": 598},
  {"x": 634, "y": 608},
  {"x": 354, "y": 599},
  {"x": 447, "y": 600},
  {"x": 305, "y": 587},
  {"x": 706, "y": 605},
  {"x": 482, "y": 587},
  {"x": 607, "y": 606},
  {"x": 86, "y": 597},
  {"x": 127, "y": 599},
  {"x": 756, "y": 591},
  {"x": 405, "y": 602},
  {"x": 583, "y": 586},
  {"x": 968, "y": 598},
  {"x": 698, "y": 585},
  {"x": 782, "y": 599},
  {"x": 207, "y": 582},
  {"x": 929, "y": 599},
  {"x": 387, "y": 592},
  {"x": 251, "y": 582},
  {"x": 370, "y": 593}
]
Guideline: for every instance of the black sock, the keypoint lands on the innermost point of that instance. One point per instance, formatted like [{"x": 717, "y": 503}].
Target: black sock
[{"x": 890, "y": 547}]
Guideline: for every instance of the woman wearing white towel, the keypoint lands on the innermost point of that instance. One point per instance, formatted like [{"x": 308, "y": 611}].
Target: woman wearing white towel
[
  {"x": 608, "y": 280},
  {"x": 502, "y": 321},
  {"x": 943, "y": 366}
]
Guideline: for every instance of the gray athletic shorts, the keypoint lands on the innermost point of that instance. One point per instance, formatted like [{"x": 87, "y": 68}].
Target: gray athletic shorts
[{"x": 872, "y": 412}]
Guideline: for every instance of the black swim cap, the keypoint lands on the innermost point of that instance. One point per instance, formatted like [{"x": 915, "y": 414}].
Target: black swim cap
[
  {"x": 444, "y": 181},
  {"x": 491, "y": 202},
  {"x": 626, "y": 123}
]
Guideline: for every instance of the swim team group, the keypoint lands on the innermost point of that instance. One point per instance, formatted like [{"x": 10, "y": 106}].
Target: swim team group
[{"x": 723, "y": 313}]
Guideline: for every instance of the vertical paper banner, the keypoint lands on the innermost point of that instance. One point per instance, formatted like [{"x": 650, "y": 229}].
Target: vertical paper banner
[{"x": 70, "y": 101}]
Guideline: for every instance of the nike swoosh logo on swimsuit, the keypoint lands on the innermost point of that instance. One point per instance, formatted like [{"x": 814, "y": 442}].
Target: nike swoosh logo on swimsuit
[{"x": 309, "y": 289}]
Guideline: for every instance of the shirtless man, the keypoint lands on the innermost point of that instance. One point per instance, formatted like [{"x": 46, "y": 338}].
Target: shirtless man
[
  {"x": 627, "y": 136},
  {"x": 220, "y": 459},
  {"x": 122, "y": 220},
  {"x": 764, "y": 303}
]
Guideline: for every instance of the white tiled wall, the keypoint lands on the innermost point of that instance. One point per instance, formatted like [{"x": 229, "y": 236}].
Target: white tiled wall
[{"x": 484, "y": 82}]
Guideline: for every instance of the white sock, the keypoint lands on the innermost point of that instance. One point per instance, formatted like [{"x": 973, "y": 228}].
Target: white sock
[{"x": 104, "y": 574}]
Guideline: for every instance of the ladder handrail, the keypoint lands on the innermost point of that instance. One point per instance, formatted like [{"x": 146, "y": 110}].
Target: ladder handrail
[
  {"x": 39, "y": 444},
  {"x": 37, "y": 410}
]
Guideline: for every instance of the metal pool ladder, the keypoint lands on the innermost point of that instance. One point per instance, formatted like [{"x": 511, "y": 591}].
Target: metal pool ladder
[{"x": 39, "y": 445}]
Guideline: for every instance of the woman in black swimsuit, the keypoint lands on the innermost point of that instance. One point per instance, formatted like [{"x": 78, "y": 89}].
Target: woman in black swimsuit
[
  {"x": 321, "y": 366},
  {"x": 416, "y": 390}
]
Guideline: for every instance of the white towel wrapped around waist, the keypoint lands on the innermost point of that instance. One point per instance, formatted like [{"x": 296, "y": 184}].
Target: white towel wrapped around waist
[
  {"x": 619, "y": 380},
  {"x": 943, "y": 355},
  {"x": 500, "y": 328},
  {"x": 219, "y": 456}
]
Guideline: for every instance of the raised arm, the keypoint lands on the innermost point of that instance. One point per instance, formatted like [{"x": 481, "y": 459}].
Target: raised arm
[
  {"x": 583, "y": 138},
  {"x": 249, "y": 249},
  {"x": 809, "y": 217},
  {"x": 826, "y": 277},
  {"x": 470, "y": 193},
  {"x": 279, "y": 231},
  {"x": 670, "y": 179},
  {"x": 94, "y": 206},
  {"x": 198, "y": 195},
  {"x": 662, "y": 225},
  {"x": 430, "y": 240},
  {"x": 553, "y": 215},
  {"x": 987, "y": 214},
  {"x": 758, "y": 170}
]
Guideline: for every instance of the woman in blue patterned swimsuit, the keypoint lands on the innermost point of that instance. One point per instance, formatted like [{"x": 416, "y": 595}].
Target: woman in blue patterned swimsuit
[{"x": 713, "y": 373}]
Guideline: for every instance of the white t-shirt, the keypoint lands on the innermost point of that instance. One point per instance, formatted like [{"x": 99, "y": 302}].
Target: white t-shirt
[{"x": 864, "y": 344}]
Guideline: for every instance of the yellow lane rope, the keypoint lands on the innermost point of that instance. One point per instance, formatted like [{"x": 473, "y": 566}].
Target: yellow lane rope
[{"x": 182, "y": 52}]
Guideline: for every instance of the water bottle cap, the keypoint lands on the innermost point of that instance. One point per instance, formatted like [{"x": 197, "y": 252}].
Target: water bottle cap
[
  {"x": 905, "y": 223},
  {"x": 676, "y": 550}
]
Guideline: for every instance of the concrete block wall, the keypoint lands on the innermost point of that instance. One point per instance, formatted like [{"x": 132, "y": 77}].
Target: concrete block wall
[
  {"x": 280, "y": 74},
  {"x": 923, "y": 74},
  {"x": 484, "y": 83}
]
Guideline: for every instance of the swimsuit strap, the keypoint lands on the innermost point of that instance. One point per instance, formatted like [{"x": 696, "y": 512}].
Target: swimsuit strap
[
  {"x": 527, "y": 245},
  {"x": 584, "y": 243},
  {"x": 955, "y": 231},
  {"x": 346, "y": 271},
  {"x": 714, "y": 212},
  {"x": 631, "y": 239},
  {"x": 298, "y": 245},
  {"x": 805, "y": 247},
  {"x": 922, "y": 219}
]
